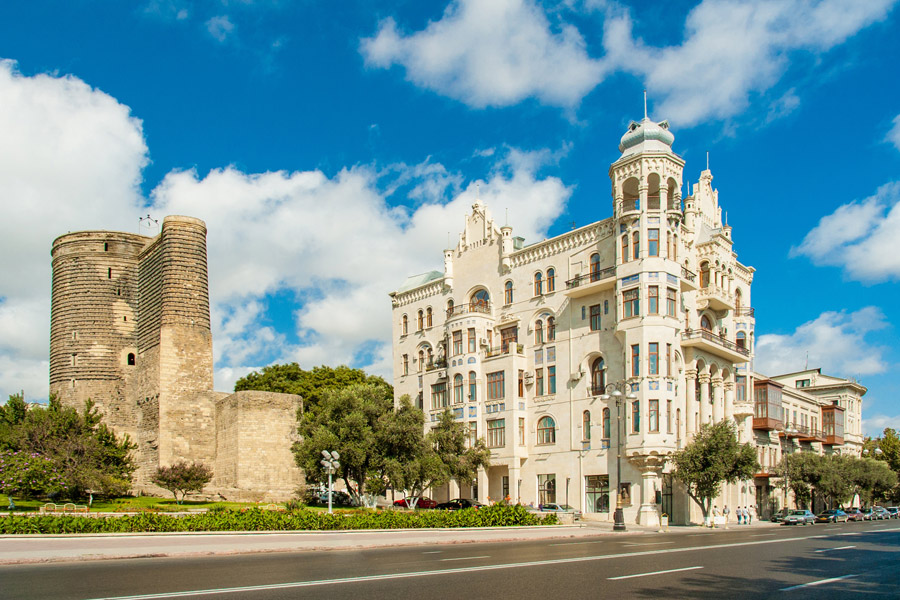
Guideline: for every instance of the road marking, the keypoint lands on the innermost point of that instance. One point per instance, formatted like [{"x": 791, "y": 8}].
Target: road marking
[
  {"x": 575, "y": 543},
  {"x": 696, "y": 534},
  {"x": 654, "y": 573},
  {"x": 456, "y": 571},
  {"x": 464, "y": 558},
  {"x": 761, "y": 534},
  {"x": 648, "y": 544},
  {"x": 433, "y": 552},
  {"x": 834, "y": 528},
  {"x": 838, "y": 548},
  {"x": 814, "y": 583}
]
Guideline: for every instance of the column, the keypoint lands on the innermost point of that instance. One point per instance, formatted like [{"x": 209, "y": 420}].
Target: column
[
  {"x": 717, "y": 402},
  {"x": 515, "y": 474},
  {"x": 705, "y": 408},
  {"x": 690, "y": 395},
  {"x": 484, "y": 486},
  {"x": 650, "y": 468},
  {"x": 729, "y": 398}
]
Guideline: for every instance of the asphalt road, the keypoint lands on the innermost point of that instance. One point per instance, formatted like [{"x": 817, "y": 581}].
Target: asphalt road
[{"x": 823, "y": 561}]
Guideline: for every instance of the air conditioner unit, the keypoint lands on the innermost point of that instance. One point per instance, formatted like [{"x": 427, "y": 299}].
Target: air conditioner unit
[
  {"x": 483, "y": 341},
  {"x": 442, "y": 374},
  {"x": 529, "y": 378}
]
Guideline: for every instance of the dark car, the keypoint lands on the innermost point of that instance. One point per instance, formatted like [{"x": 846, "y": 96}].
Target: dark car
[
  {"x": 424, "y": 502},
  {"x": 895, "y": 511},
  {"x": 854, "y": 514},
  {"x": 799, "y": 517},
  {"x": 832, "y": 516},
  {"x": 779, "y": 516},
  {"x": 459, "y": 504}
]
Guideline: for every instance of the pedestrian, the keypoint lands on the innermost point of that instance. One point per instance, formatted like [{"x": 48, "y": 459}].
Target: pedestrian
[
  {"x": 739, "y": 513},
  {"x": 715, "y": 515},
  {"x": 726, "y": 512},
  {"x": 750, "y": 514}
]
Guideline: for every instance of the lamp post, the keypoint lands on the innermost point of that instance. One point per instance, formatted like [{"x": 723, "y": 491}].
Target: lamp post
[
  {"x": 790, "y": 431},
  {"x": 618, "y": 393},
  {"x": 331, "y": 464}
]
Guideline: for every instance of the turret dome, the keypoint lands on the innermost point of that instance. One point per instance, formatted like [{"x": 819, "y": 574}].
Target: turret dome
[{"x": 646, "y": 136}]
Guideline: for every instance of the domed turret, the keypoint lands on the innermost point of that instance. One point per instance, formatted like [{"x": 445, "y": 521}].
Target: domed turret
[{"x": 646, "y": 136}]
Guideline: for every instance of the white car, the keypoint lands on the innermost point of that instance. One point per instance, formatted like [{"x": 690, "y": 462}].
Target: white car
[{"x": 560, "y": 508}]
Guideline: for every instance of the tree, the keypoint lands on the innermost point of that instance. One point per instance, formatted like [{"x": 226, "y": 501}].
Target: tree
[
  {"x": 800, "y": 471},
  {"x": 714, "y": 457},
  {"x": 84, "y": 453},
  {"x": 348, "y": 420},
  {"x": 873, "y": 479},
  {"x": 182, "y": 477},
  {"x": 311, "y": 385}
]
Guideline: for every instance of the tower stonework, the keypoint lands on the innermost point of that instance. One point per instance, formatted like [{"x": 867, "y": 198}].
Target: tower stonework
[{"x": 130, "y": 330}]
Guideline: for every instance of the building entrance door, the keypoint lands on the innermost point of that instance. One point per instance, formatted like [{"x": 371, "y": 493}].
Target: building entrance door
[{"x": 667, "y": 505}]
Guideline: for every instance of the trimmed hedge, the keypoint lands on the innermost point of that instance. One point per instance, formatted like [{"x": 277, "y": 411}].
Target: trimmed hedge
[{"x": 254, "y": 519}]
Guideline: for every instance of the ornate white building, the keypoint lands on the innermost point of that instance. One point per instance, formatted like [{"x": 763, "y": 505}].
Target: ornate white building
[{"x": 521, "y": 342}]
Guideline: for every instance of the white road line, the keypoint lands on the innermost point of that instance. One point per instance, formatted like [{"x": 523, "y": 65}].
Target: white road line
[
  {"x": 838, "y": 548},
  {"x": 456, "y": 571},
  {"x": 433, "y": 552},
  {"x": 648, "y": 544},
  {"x": 464, "y": 558},
  {"x": 814, "y": 583},
  {"x": 761, "y": 534},
  {"x": 574, "y": 543},
  {"x": 653, "y": 573},
  {"x": 696, "y": 534}
]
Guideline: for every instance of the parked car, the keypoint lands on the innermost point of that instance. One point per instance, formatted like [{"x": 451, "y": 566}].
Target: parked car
[
  {"x": 424, "y": 502},
  {"x": 834, "y": 515},
  {"x": 338, "y": 498},
  {"x": 459, "y": 504},
  {"x": 854, "y": 514},
  {"x": 868, "y": 514},
  {"x": 880, "y": 512},
  {"x": 560, "y": 508},
  {"x": 799, "y": 517},
  {"x": 780, "y": 515},
  {"x": 895, "y": 511}
]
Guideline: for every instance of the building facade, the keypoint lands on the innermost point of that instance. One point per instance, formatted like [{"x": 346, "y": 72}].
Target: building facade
[
  {"x": 527, "y": 344},
  {"x": 130, "y": 330}
]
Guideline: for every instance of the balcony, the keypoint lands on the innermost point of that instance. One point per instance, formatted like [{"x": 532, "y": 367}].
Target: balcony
[
  {"x": 589, "y": 283},
  {"x": 483, "y": 308},
  {"x": 438, "y": 363},
  {"x": 831, "y": 439},
  {"x": 766, "y": 423},
  {"x": 504, "y": 350},
  {"x": 688, "y": 280},
  {"x": 744, "y": 311},
  {"x": 807, "y": 434},
  {"x": 714, "y": 344},
  {"x": 715, "y": 298}
]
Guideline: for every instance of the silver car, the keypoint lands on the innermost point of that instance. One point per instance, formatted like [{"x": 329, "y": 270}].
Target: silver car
[{"x": 799, "y": 517}]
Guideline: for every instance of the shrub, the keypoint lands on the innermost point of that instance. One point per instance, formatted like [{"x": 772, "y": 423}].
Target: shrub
[{"x": 182, "y": 477}]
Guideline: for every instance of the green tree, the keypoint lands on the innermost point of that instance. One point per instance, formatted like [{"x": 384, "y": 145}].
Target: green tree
[
  {"x": 311, "y": 385},
  {"x": 800, "y": 471},
  {"x": 714, "y": 457},
  {"x": 183, "y": 477},
  {"x": 873, "y": 479},
  {"x": 84, "y": 452}
]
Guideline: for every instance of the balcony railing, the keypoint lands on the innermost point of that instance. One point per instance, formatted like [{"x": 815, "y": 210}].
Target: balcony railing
[
  {"x": 472, "y": 307},
  {"x": 743, "y": 311},
  {"x": 709, "y": 336},
  {"x": 689, "y": 275},
  {"x": 591, "y": 277},
  {"x": 507, "y": 349},
  {"x": 438, "y": 363}
]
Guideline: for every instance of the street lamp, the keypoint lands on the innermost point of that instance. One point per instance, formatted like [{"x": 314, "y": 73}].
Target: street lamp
[
  {"x": 618, "y": 393},
  {"x": 331, "y": 464},
  {"x": 789, "y": 432}
]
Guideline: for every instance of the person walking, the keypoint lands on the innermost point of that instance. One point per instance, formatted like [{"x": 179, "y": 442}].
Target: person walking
[
  {"x": 750, "y": 514},
  {"x": 739, "y": 513}
]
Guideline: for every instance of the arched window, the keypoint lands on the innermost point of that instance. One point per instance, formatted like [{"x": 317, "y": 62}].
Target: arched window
[
  {"x": 595, "y": 267},
  {"x": 481, "y": 301},
  {"x": 705, "y": 323},
  {"x": 131, "y": 359},
  {"x": 507, "y": 293},
  {"x": 420, "y": 323},
  {"x": 405, "y": 325},
  {"x": 458, "y": 389},
  {"x": 450, "y": 307},
  {"x": 636, "y": 245},
  {"x": 738, "y": 301},
  {"x": 598, "y": 377},
  {"x": 472, "y": 394},
  {"x": 586, "y": 425},
  {"x": 606, "y": 423},
  {"x": 551, "y": 280},
  {"x": 428, "y": 320},
  {"x": 704, "y": 274},
  {"x": 421, "y": 364},
  {"x": 741, "y": 340},
  {"x": 538, "y": 332},
  {"x": 551, "y": 329},
  {"x": 653, "y": 191},
  {"x": 538, "y": 283},
  {"x": 674, "y": 247},
  {"x": 625, "y": 256},
  {"x": 546, "y": 431}
]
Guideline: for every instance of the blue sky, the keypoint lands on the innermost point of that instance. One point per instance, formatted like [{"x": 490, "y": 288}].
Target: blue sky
[{"x": 331, "y": 148}]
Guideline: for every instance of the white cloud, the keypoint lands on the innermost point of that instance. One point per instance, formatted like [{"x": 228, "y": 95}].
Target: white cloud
[
  {"x": 861, "y": 237},
  {"x": 490, "y": 54},
  {"x": 875, "y": 425},
  {"x": 732, "y": 50},
  {"x": 220, "y": 27},
  {"x": 893, "y": 135},
  {"x": 175, "y": 10},
  {"x": 835, "y": 341},
  {"x": 70, "y": 159}
]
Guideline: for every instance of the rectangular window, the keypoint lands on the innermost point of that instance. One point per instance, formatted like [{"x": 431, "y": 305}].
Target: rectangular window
[
  {"x": 539, "y": 382},
  {"x": 653, "y": 300},
  {"x": 802, "y": 383},
  {"x": 670, "y": 302},
  {"x": 653, "y": 422},
  {"x": 636, "y": 416},
  {"x": 439, "y": 396},
  {"x": 668, "y": 416},
  {"x": 635, "y": 360},
  {"x": 406, "y": 364},
  {"x": 653, "y": 242},
  {"x": 636, "y": 245},
  {"x": 471, "y": 339},
  {"x": 509, "y": 337},
  {"x": 740, "y": 388},
  {"x": 668, "y": 360},
  {"x": 551, "y": 380},
  {"x": 625, "y": 256},
  {"x": 632, "y": 301},
  {"x": 596, "y": 489},
  {"x": 472, "y": 434},
  {"x": 595, "y": 317},
  {"x": 653, "y": 356},
  {"x": 546, "y": 488},
  {"x": 521, "y": 431},
  {"x": 521, "y": 383},
  {"x": 496, "y": 433},
  {"x": 472, "y": 387},
  {"x": 457, "y": 343},
  {"x": 495, "y": 385}
]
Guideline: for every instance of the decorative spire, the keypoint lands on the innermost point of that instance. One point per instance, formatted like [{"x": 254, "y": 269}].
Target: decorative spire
[{"x": 645, "y": 104}]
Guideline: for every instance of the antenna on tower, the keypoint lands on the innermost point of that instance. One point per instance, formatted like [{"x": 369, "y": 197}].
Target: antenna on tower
[
  {"x": 806, "y": 368},
  {"x": 707, "y": 160},
  {"x": 150, "y": 223},
  {"x": 645, "y": 104}
]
